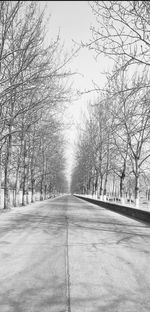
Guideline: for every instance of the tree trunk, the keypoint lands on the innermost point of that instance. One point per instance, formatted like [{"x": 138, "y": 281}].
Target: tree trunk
[
  {"x": 95, "y": 185},
  {"x": 101, "y": 188},
  {"x": 17, "y": 186},
  {"x": 137, "y": 193},
  {"x": 95, "y": 190},
  {"x": 32, "y": 189},
  {"x": 6, "y": 171},
  {"x": 27, "y": 183},
  {"x": 148, "y": 195},
  {"x": 23, "y": 192},
  {"x": 41, "y": 189},
  {"x": 107, "y": 166},
  {"x": 122, "y": 177},
  {"x": 105, "y": 187},
  {"x": 33, "y": 168},
  {"x": 113, "y": 186},
  {"x": 45, "y": 191},
  {"x": 32, "y": 180},
  {"x": 24, "y": 175},
  {"x": 0, "y": 178}
]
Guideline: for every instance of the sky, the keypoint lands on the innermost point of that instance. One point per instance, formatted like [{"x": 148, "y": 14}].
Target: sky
[{"x": 73, "y": 20}]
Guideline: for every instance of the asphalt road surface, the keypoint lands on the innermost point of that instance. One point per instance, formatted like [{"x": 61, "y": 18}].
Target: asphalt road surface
[{"x": 67, "y": 255}]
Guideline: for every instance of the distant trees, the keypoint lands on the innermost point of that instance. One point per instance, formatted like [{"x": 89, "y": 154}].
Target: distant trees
[
  {"x": 32, "y": 90},
  {"x": 93, "y": 156}
]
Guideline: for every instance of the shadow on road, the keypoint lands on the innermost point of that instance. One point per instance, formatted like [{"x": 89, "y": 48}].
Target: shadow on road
[
  {"x": 52, "y": 218},
  {"x": 45, "y": 293}
]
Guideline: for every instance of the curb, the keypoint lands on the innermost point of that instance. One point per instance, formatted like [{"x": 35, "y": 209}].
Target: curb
[{"x": 134, "y": 213}]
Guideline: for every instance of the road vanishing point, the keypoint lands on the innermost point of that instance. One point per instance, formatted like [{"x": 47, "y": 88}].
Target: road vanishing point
[{"x": 67, "y": 255}]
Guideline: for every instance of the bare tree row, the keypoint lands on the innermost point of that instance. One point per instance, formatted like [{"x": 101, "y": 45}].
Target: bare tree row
[
  {"x": 32, "y": 92},
  {"x": 117, "y": 132},
  {"x": 115, "y": 143}
]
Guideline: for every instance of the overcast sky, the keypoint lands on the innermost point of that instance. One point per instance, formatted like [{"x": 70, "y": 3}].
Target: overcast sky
[{"x": 73, "y": 19}]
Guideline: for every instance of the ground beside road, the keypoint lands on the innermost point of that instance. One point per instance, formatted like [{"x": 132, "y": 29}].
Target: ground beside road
[{"x": 66, "y": 255}]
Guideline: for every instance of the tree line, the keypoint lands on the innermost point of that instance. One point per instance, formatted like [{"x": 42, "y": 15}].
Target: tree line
[
  {"x": 33, "y": 92},
  {"x": 115, "y": 143}
]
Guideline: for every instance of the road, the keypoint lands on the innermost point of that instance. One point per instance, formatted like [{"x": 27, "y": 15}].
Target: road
[{"x": 67, "y": 255}]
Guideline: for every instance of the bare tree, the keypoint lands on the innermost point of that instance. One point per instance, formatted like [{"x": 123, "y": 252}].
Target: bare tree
[
  {"x": 122, "y": 31},
  {"x": 132, "y": 123}
]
